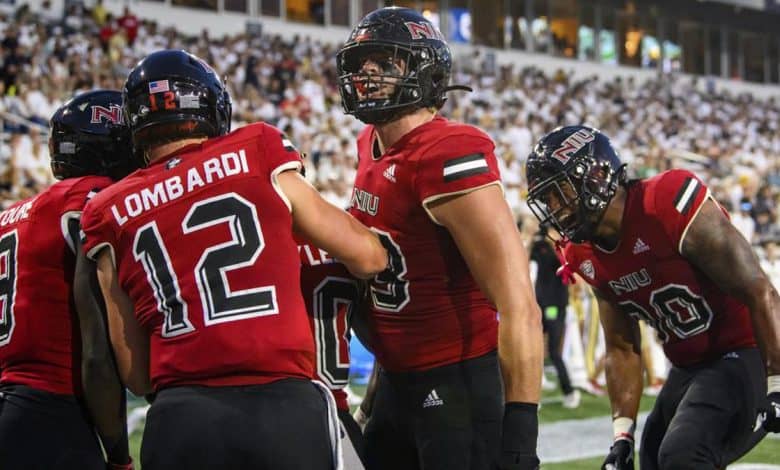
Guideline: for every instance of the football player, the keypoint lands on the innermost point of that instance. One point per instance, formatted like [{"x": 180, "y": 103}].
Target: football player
[
  {"x": 431, "y": 188},
  {"x": 331, "y": 295},
  {"x": 43, "y": 421},
  {"x": 201, "y": 278},
  {"x": 664, "y": 251}
]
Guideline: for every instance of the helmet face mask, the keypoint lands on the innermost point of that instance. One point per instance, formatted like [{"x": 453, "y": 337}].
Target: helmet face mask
[
  {"x": 413, "y": 73},
  {"x": 377, "y": 73},
  {"x": 555, "y": 202},
  {"x": 573, "y": 174},
  {"x": 88, "y": 137}
]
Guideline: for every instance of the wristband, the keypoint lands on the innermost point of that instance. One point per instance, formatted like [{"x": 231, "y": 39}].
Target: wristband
[
  {"x": 121, "y": 466},
  {"x": 773, "y": 384},
  {"x": 520, "y": 428},
  {"x": 623, "y": 428}
]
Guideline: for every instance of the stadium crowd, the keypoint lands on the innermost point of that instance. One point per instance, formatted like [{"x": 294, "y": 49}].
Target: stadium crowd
[{"x": 731, "y": 141}]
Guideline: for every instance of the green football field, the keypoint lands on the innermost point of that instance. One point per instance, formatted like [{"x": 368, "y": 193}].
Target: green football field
[{"x": 767, "y": 452}]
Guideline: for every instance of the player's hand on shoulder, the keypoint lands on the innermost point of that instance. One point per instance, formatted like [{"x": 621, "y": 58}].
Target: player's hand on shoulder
[{"x": 621, "y": 455}]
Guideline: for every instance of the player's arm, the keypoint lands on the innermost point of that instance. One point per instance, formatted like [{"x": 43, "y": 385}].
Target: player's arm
[
  {"x": 482, "y": 226},
  {"x": 715, "y": 246},
  {"x": 484, "y": 230},
  {"x": 331, "y": 228},
  {"x": 359, "y": 326},
  {"x": 130, "y": 342},
  {"x": 624, "y": 379},
  {"x": 103, "y": 392},
  {"x": 623, "y": 359},
  {"x": 363, "y": 412}
]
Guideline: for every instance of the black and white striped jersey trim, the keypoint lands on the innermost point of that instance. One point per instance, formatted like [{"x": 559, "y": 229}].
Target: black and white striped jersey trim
[
  {"x": 287, "y": 144},
  {"x": 687, "y": 194},
  {"x": 462, "y": 167}
]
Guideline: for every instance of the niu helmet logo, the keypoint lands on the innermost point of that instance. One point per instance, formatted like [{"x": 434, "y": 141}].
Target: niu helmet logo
[
  {"x": 112, "y": 114},
  {"x": 572, "y": 145},
  {"x": 362, "y": 35},
  {"x": 423, "y": 31}
]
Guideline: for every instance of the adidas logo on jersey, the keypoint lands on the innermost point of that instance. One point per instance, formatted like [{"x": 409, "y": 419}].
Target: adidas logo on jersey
[
  {"x": 640, "y": 246},
  {"x": 390, "y": 173},
  {"x": 432, "y": 400},
  {"x": 172, "y": 163}
]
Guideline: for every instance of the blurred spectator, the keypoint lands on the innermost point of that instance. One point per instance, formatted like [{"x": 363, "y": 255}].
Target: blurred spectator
[
  {"x": 47, "y": 14},
  {"x": 129, "y": 23},
  {"x": 732, "y": 141},
  {"x": 74, "y": 18},
  {"x": 107, "y": 30},
  {"x": 511, "y": 169},
  {"x": 771, "y": 263},
  {"x": 553, "y": 298},
  {"x": 99, "y": 13},
  {"x": 743, "y": 221},
  {"x": 765, "y": 203},
  {"x": 10, "y": 40}
]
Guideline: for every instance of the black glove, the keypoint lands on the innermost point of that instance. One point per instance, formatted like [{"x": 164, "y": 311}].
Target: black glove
[
  {"x": 621, "y": 455},
  {"x": 514, "y": 461},
  {"x": 772, "y": 416},
  {"x": 518, "y": 437}
]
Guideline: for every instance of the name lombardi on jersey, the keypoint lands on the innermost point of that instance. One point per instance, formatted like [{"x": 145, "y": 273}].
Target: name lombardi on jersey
[{"x": 210, "y": 171}]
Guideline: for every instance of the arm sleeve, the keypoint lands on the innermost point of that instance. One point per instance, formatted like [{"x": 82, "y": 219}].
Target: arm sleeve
[
  {"x": 677, "y": 198},
  {"x": 280, "y": 153},
  {"x": 455, "y": 165},
  {"x": 97, "y": 231},
  {"x": 75, "y": 200}
]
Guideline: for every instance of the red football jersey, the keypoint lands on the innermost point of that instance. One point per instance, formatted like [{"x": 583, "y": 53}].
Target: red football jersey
[
  {"x": 432, "y": 313},
  {"x": 40, "y": 344},
  {"x": 203, "y": 246},
  {"x": 648, "y": 278},
  {"x": 330, "y": 292}
]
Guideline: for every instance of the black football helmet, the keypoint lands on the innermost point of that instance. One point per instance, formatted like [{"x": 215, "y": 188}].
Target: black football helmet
[
  {"x": 88, "y": 137},
  {"x": 172, "y": 94},
  {"x": 396, "y": 34},
  {"x": 573, "y": 173}
]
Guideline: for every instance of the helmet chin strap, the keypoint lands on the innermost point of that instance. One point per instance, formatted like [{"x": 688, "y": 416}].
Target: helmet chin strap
[
  {"x": 586, "y": 230},
  {"x": 378, "y": 117},
  {"x": 458, "y": 88}
]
